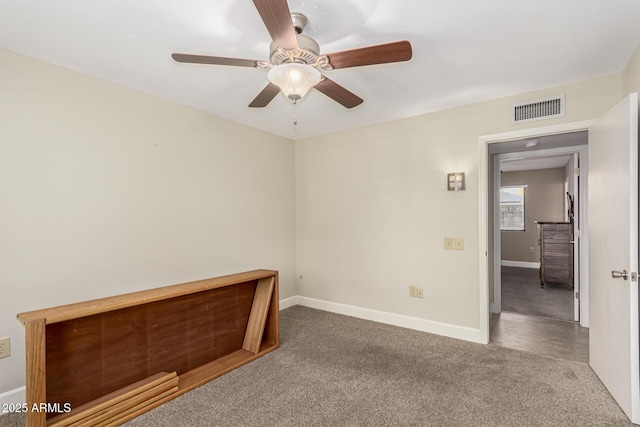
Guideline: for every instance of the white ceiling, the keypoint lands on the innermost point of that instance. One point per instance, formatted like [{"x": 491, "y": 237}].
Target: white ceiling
[
  {"x": 463, "y": 51},
  {"x": 535, "y": 151},
  {"x": 535, "y": 163}
]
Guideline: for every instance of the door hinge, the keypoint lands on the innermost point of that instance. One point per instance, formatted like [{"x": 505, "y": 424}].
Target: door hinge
[
  {"x": 577, "y": 295},
  {"x": 576, "y": 171},
  {"x": 634, "y": 277}
]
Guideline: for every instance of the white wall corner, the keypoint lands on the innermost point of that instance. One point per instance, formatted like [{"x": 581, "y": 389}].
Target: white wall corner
[
  {"x": 288, "y": 302},
  {"x": 438, "y": 328}
]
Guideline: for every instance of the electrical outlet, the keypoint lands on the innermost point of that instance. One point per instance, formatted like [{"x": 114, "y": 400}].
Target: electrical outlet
[
  {"x": 459, "y": 243},
  {"x": 530, "y": 249},
  {"x": 5, "y": 347},
  {"x": 416, "y": 292}
]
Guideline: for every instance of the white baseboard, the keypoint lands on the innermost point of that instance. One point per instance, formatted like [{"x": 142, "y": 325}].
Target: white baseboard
[
  {"x": 438, "y": 328},
  {"x": 288, "y": 302},
  {"x": 523, "y": 264},
  {"x": 16, "y": 396}
]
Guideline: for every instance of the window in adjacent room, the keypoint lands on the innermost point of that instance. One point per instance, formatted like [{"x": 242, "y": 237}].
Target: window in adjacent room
[{"x": 512, "y": 208}]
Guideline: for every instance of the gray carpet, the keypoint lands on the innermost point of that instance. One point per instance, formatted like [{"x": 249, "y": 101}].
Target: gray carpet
[
  {"x": 333, "y": 370},
  {"x": 521, "y": 293}
]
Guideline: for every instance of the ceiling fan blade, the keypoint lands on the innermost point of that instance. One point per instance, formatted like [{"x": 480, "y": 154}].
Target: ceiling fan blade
[
  {"x": 378, "y": 54},
  {"x": 264, "y": 98},
  {"x": 277, "y": 18},
  {"x": 338, "y": 93},
  {"x": 213, "y": 60}
]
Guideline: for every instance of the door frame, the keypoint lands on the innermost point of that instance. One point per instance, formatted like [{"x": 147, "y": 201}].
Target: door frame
[
  {"x": 485, "y": 240},
  {"x": 582, "y": 305}
]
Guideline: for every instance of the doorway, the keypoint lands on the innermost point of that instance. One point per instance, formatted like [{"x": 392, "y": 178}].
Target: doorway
[
  {"x": 563, "y": 154},
  {"x": 537, "y": 194},
  {"x": 513, "y": 143},
  {"x": 545, "y": 172}
]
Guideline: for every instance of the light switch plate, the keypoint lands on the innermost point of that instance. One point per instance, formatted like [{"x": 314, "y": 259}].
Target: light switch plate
[
  {"x": 459, "y": 243},
  {"x": 448, "y": 243}
]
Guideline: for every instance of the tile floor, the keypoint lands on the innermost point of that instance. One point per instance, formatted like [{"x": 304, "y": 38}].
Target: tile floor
[{"x": 549, "y": 337}]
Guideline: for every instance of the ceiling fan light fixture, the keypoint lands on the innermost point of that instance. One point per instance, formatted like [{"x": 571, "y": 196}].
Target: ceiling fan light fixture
[{"x": 294, "y": 79}]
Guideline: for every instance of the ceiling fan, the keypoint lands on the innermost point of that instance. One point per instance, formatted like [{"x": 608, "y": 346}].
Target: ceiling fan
[{"x": 295, "y": 63}]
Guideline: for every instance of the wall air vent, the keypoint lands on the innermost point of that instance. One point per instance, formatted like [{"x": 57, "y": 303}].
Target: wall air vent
[{"x": 538, "y": 110}]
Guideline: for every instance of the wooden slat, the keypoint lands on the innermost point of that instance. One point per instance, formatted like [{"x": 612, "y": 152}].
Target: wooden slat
[
  {"x": 121, "y": 409},
  {"x": 112, "y": 399},
  {"x": 139, "y": 409},
  {"x": 258, "y": 316},
  {"x": 216, "y": 368},
  {"x": 272, "y": 329},
  {"x": 102, "y": 305},
  {"x": 36, "y": 360},
  {"x": 205, "y": 373},
  {"x": 202, "y": 375}
]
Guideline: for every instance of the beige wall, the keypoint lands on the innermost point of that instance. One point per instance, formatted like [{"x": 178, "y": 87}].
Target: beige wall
[
  {"x": 104, "y": 190},
  {"x": 544, "y": 201},
  {"x": 631, "y": 75},
  {"x": 372, "y": 210}
]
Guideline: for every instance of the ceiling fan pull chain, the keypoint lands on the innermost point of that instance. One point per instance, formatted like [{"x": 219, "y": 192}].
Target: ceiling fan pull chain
[{"x": 295, "y": 112}]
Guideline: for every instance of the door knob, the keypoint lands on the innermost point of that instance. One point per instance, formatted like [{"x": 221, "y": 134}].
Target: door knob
[{"x": 624, "y": 274}]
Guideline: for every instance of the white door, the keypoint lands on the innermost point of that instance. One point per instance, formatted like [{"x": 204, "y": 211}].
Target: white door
[{"x": 613, "y": 249}]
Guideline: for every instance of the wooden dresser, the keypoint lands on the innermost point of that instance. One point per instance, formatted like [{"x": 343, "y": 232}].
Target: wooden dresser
[{"x": 556, "y": 252}]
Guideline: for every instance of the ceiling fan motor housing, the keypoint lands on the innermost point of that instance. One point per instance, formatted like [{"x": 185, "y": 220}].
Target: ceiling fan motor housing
[{"x": 307, "y": 53}]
